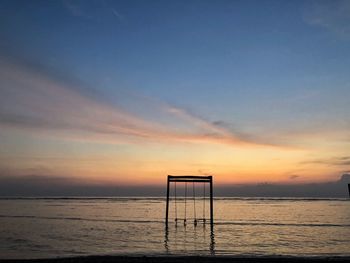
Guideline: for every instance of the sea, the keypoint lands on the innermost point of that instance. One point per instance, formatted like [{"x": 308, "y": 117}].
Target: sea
[{"x": 63, "y": 226}]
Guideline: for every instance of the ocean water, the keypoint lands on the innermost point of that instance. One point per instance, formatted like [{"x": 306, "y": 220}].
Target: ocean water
[{"x": 57, "y": 227}]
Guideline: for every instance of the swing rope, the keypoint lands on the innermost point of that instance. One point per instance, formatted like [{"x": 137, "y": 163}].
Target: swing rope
[
  {"x": 175, "y": 205},
  {"x": 204, "y": 202},
  {"x": 185, "y": 202},
  {"x": 194, "y": 205}
]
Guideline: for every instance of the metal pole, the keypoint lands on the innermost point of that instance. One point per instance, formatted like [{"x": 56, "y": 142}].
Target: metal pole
[
  {"x": 167, "y": 203},
  {"x": 211, "y": 202},
  {"x": 349, "y": 189}
]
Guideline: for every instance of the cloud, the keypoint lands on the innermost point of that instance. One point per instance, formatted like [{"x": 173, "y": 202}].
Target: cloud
[
  {"x": 218, "y": 130},
  {"x": 119, "y": 16},
  {"x": 75, "y": 8},
  {"x": 340, "y": 160},
  {"x": 293, "y": 176},
  {"x": 92, "y": 10},
  {"x": 210, "y": 128},
  {"x": 203, "y": 172},
  {"x": 331, "y": 15},
  {"x": 329, "y": 189},
  {"x": 33, "y": 100},
  {"x": 36, "y": 100}
]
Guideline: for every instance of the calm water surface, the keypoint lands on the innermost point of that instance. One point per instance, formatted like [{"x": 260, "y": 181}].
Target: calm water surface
[{"x": 34, "y": 228}]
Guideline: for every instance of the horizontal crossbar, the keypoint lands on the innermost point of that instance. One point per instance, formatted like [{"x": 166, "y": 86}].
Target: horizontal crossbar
[{"x": 189, "y": 178}]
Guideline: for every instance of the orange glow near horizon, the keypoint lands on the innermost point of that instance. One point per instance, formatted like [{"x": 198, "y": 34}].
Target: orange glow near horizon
[{"x": 149, "y": 163}]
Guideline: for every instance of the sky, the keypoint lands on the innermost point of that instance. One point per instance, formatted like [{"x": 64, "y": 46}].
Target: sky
[{"x": 123, "y": 93}]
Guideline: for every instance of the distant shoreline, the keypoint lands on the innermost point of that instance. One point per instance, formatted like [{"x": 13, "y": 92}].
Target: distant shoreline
[
  {"x": 163, "y": 198},
  {"x": 178, "y": 259}
]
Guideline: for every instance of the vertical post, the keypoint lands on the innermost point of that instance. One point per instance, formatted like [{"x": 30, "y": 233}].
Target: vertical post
[
  {"x": 349, "y": 189},
  {"x": 211, "y": 201},
  {"x": 167, "y": 203}
]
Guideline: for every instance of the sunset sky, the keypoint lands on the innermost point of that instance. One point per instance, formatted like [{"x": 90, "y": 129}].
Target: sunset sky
[{"x": 126, "y": 92}]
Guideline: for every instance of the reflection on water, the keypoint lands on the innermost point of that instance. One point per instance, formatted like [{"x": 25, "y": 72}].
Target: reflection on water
[
  {"x": 200, "y": 233},
  {"x": 33, "y": 228}
]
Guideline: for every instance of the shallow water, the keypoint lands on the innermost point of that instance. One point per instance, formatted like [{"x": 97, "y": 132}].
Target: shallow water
[{"x": 51, "y": 227}]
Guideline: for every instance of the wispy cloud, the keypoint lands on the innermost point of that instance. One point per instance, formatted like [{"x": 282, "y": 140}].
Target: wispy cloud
[
  {"x": 118, "y": 15},
  {"x": 339, "y": 160},
  {"x": 331, "y": 15},
  {"x": 294, "y": 176},
  {"x": 211, "y": 128},
  {"x": 75, "y": 8},
  {"x": 37, "y": 101},
  {"x": 92, "y": 10}
]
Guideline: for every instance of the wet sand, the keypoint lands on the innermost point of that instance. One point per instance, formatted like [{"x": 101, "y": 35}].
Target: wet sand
[{"x": 180, "y": 259}]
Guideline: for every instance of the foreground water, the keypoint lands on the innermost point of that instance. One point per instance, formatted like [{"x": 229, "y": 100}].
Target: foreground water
[{"x": 35, "y": 228}]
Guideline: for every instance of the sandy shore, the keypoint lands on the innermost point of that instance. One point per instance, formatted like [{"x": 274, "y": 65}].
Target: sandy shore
[{"x": 178, "y": 259}]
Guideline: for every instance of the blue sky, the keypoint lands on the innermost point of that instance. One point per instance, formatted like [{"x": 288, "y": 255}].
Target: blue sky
[{"x": 269, "y": 72}]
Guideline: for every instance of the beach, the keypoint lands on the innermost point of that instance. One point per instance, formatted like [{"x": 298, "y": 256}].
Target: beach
[{"x": 180, "y": 259}]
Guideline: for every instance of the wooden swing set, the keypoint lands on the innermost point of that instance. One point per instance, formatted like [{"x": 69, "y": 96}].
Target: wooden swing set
[{"x": 190, "y": 179}]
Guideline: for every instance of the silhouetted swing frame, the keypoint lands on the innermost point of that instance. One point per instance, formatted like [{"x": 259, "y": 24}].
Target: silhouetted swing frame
[{"x": 190, "y": 179}]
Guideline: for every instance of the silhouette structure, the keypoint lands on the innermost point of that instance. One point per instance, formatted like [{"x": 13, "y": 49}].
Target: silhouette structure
[{"x": 190, "y": 179}]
